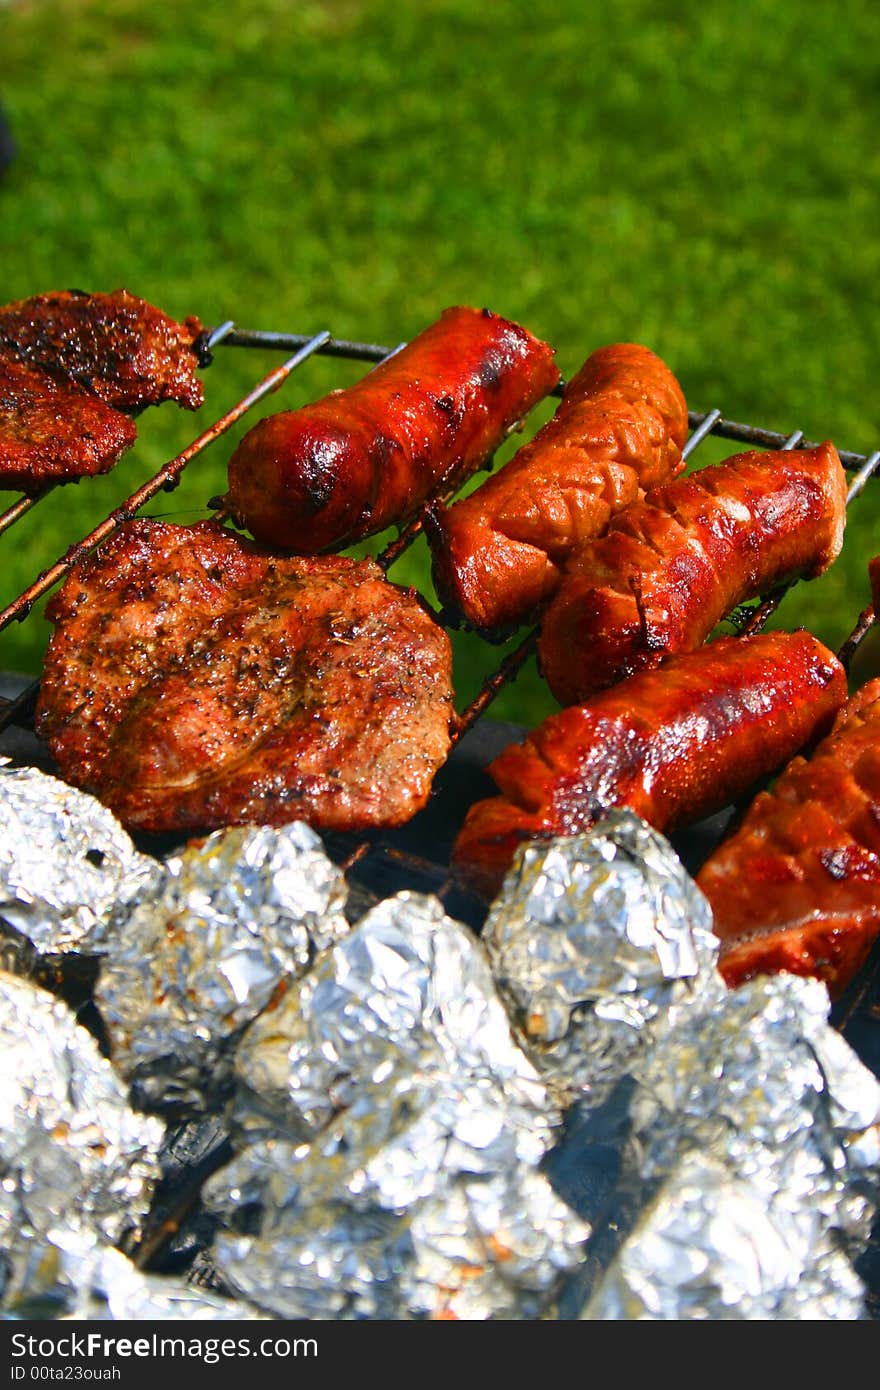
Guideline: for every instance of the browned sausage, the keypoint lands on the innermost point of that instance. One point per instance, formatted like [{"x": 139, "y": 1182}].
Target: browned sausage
[
  {"x": 621, "y": 426},
  {"x": 367, "y": 457},
  {"x": 673, "y": 745},
  {"x": 797, "y": 886},
  {"x": 671, "y": 567}
]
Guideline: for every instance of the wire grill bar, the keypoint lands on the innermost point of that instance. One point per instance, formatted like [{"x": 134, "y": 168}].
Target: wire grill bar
[{"x": 302, "y": 346}]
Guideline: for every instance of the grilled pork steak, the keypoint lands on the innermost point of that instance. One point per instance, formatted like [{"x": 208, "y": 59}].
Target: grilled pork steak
[
  {"x": 194, "y": 680},
  {"x": 51, "y": 432},
  {"x": 116, "y": 345}
]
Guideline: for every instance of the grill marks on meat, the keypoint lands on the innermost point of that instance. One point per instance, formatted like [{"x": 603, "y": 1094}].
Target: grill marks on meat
[
  {"x": 797, "y": 886},
  {"x": 194, "y": 681},
  {"x": 368, "y": 457},
  {"x": 117, "y": 346},
  {"x": 621, "y": 426},
  {"x": 673, "y": 745},
  {"x": 50, "y": 432},
  {"x": 671, "y": 567}
]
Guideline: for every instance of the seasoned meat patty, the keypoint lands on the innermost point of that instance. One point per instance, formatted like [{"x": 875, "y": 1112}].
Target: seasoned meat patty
[
  {"x": 116, "y": 345},
  {"x": 193, "y": 680},
  {"x": 51, "y": 432}
]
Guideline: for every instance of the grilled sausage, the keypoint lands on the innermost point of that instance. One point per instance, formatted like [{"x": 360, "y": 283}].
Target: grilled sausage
[
  {"x": 797, "y": 886},
  {"x": 621, "y": 426},
  {"x": 673, "y": 566},
  {"x": 367, "y": 457},
  {"x": 673, "y": 745}
]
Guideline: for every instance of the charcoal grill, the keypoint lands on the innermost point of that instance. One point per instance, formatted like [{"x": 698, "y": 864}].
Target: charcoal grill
[{"x": 415, "y": 856}]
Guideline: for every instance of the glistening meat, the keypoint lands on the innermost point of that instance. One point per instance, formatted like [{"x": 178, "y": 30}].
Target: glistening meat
[
  {"x": 193, "y": 681},
  {"x": 671, "y": 567},
  {"x": 674, "y": 745},
  {"x": 499, "y": 553},
  {"x": 51, "y": 432},
  {"x": 117, "y": 346},
  {"x": 797, "y": 886}
]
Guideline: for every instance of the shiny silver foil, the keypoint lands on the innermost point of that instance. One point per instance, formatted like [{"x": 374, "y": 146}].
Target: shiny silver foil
[
  {"x": 591, "y": 938},
  {"x": 605, "y": 951},
  {"x": 70, "y": 1146},
  {"x": 395, "y": 1133},
  {"x": 712, "y": 1245},
  {"x": 66, "y": 864},
  {"x": 233, "y": 919},
  {"x": 72, "y": 1274}
]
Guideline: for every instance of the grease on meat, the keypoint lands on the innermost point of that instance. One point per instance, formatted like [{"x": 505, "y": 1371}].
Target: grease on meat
[{"x": 194, "y": 680}]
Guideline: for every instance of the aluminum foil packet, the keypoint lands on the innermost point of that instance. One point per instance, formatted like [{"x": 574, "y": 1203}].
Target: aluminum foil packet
[
  {"x": 711, "y": 1245},
  {"x": 233, "y": 920},
  {"x": 392, "y": 1133},
  {"x": 66, "y": 864},
  {"x": 591, "y": 939},
  {"x": 71, "y": 1147},
  {"x": 618, "y": 984},
  {"x": 72, "y": 1274}
]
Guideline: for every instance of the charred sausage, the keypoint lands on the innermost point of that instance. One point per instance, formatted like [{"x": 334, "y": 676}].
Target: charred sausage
[
  {"x": 673, "y": 745},
  {"x": 621, "y": 426},
  {"x": 797, "y": 886},
  {"x": 367, "y": 457},
  {"x": 673, "y": 566}
]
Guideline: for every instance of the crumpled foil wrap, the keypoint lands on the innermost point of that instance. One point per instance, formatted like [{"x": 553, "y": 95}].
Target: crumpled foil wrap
[
  {"x": 66, "y": 864},
  {"x": 70, "y": 1145},
  {"x": 73, "y": 1274},
  {"x": 392, "y": 1133},
  {"x": 591, "y": 938},
  {"x": 710, "y": 1245},
  {"x": 233, "y": 918},
  {"x": 618, "y": 986}
]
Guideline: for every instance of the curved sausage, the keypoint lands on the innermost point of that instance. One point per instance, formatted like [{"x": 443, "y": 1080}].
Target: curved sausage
[
  {"x": 674, "y": 745},
  {"x": 673, "y": 566},
  {"x": 621, "y": 426},
  {"x": 367, "y": 457},
  {"x": 797, "y": 886}
]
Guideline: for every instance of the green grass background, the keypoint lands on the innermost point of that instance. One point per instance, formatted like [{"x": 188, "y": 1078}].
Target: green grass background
[{"x": 701, "y": 177}]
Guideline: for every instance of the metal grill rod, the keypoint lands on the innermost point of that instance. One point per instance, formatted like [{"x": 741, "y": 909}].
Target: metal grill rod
[{"x": 166, "y": 478}]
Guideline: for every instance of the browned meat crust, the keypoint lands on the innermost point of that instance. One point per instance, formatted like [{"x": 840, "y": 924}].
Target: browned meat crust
[
  {"x": 50, "y": 432},
  {"x": 797, "y": 886},
  {"x": 367, "y": 457},
  {"x": 673, "y": 744},
  {"x": 499, "y": 553},
  {"x": 115, "y": 345},
  {"x": 673, "y": 566},
  {"x": 194, "y": 681}
]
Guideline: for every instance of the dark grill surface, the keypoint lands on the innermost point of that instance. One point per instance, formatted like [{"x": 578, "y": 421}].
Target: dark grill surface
[{"x": 416, "y": 855}]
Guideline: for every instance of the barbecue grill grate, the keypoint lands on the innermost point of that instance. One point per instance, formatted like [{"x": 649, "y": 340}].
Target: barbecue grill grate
[
  {"x": 416, "y": 856},
  {"x": 19, "y": 709}
]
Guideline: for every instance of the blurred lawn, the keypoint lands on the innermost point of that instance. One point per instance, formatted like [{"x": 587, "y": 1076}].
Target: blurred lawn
[{"x": 700, "y": 177}]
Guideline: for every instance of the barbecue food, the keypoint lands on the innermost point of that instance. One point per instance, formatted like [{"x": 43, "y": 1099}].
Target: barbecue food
[
  {"x": 673, "y": 745},
  {"x": 366, "y": 458},
  {"x": 194, "y": 681},
  {"x": 671, "y": 567},
  {"x": 621, "y": 426},
  {"x": 115, "y": 345},
  {"x": 797, "y": 886},
  {"x": 50, "y": 433}
]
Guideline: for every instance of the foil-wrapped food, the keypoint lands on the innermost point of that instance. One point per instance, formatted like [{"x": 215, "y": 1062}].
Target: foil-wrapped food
[
  {"x": 391, "y": 1133},
  {"x": 604, "y": 949},
  {"x": 232, "y": 919},
  {"x": 70, "y": 1143},
  {"x": 568, "y": 1115}
]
